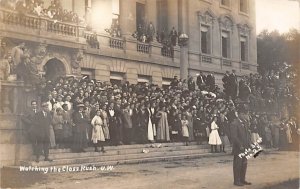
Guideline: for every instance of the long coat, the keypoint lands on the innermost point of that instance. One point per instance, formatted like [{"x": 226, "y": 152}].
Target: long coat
[
  {"x": 41, "y": 126},
  {"x": 240, "y": 136},
  {"x": 79, "y": 131},
  {"x": 162, "y": 126}
]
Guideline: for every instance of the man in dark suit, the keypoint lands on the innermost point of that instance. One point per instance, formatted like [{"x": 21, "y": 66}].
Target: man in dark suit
[
  {"x": 241, "y": 140},
  {"x": 233, "y": 85},
  {"x": 201, "y": 79},
  {"x": 80, "y": 129},
  {"x": 41, "y": 132},
  {"x": 28, "y": 121}
]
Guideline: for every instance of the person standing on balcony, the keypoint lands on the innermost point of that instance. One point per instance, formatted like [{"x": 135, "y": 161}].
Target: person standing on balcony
[
  {"x": 17, "y": 53},
  {"x": 173, "y": 36}
]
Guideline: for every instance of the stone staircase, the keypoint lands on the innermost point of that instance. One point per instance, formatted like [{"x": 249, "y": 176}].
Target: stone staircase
[{"x": 125, "y": 154}]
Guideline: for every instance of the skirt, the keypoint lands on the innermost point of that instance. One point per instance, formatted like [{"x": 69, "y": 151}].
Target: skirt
[
  {"x": 97, "y": 134},
  {"x": 106, "y": 132},
  {"x": 214, "y": 138},
  {"x": 185, "y": 131}
]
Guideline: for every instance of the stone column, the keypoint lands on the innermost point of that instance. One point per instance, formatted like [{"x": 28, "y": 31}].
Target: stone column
[
  {"x": 127, "y": 17},
  {"x": 172, "y": 15},
  {"x": 79, "y": 7},
  {"x": 184, "y": 62},
  {"x": 151, "y": 12}
]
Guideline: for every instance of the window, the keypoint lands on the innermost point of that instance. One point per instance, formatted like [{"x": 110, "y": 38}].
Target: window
[
  {"x": 225, "y": 44},
  {"x": 206, "y": 21},
  {"x": 244, "y": 48},
  {"x": 205, "y": 40},
  {"x": 140, "y": 15},
  {"x": 88, "y": 73},
  {"x": 116, "y": 78},
  {"x": 244, "y": 6},
  {"x": 144, "y": 79},
  {"x": 225, "y": 3}
]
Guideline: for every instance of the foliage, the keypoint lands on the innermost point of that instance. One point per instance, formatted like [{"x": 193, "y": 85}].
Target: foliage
[{"x": 274, "y": 49}]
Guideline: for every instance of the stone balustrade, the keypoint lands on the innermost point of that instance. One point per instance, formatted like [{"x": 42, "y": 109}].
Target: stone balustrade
[
  {"x": 226, "y": 62},
  {"x": 167, "y": 52},
  {"x": 143, "y": 48},
  {"x": 116, "y": 43},
  {"x": 10, "y": 17},
  {"x": 245, "y": 66},
  {"x": 206, "y": 59}
]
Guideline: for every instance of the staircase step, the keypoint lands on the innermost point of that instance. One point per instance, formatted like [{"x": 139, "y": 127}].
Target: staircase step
[
  {"x": 117, "y": 158},
  {"x": 109, "y": 152},
  {"x": 126, "y": 161},
  {"x": 122, "y": 147}
]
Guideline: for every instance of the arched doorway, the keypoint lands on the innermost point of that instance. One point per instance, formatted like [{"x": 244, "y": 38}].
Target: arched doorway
[{"x": 54, "y": 68}]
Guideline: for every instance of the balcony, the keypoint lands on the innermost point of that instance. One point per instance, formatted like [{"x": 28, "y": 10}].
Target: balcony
[
  {"x": 143, "y": 48},
  {"x": 32, "y": 25},
  {"x": 116, "y": 43},
  {"x": 226, "y": 62},
  {"x": 245, "y": 66},
  {"x": 167, "y": 51},
  {"x": 206, "y": 59}
]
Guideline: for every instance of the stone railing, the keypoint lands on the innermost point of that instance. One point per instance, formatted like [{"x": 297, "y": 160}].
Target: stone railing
[
  {"x": 40, "y": 23},
  {"x": 116, "y": 43},
  {"x": 143, "y": 48},
  {"x": 245, "y": 66},
  {"x": 206, "y": 59},
  {"x": 226, "y": 62},
  {"x": 167, "y": 51},
  {"x": 13, "y": 97}
]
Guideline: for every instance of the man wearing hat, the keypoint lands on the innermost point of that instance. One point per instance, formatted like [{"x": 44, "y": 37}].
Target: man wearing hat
[
  {"x": 241, "y": 140},
  {"x": 81, "y": 124},
  {"x": 41, "y": 131}
]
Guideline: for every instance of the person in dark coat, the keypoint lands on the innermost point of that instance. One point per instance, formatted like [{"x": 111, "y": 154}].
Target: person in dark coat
[
  {"x": 241, "y": 140},
  {"x": 191, "y": 83},
  {"x": 114, "y": 117},
  {"x": 233, "y": 83},
  {"x": 79, "y": 130},
  {"x": 201, "y": 79},
  {"x": 41, "y": 132}
]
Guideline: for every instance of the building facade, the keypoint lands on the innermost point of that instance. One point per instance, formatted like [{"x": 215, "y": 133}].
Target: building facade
[{"x": 221, "y": 37}]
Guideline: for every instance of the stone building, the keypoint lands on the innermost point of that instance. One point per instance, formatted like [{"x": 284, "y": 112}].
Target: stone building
[{"x": 221, "y": 36}]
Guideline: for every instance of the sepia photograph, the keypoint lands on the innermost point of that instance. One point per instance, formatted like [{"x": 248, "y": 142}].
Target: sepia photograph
[{"x": 149, "y": 94}]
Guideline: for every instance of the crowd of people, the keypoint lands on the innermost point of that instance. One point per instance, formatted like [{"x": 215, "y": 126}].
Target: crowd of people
[
  {"x": 89, "y": 112},
  {"x": 54, "y": 11}
]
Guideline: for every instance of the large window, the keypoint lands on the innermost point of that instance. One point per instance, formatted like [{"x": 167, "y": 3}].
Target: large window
[
  {"x": 225, "y": 44},
  {"x": 225, "y": 3},
  {"x": 144, "y": 79},
  {"x": 140, "y": 15},
  {"x": 116, "y": 78},
  {"x": 244, "y": 6},
  {"x": 205, "y": 40},
  {"x": 244, "y": 48}
]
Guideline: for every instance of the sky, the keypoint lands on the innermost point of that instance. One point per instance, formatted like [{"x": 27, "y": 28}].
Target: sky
[{"x": 278, "y": 15}]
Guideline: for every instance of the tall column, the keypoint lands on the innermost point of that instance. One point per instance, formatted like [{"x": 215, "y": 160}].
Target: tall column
[
  {"x": 172, "y": 15},
  {"x": 184, "y": 62},
  {"x": 151, "y": 12},
  {"x": 127, "y": 17}
]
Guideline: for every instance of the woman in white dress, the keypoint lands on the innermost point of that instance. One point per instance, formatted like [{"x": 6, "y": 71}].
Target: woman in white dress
[
  {"x": 97, "y": 132},
  {"x": 214, "y": 138},
  {"x": 185, "y": 129}
]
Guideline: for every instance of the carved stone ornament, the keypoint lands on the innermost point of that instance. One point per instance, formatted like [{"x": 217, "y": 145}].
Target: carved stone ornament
[
  {"x": 77, "y": 58},
  {"x": 244, "y": 29},
  {"x": 226, "y": 23},
  {"x": 40, "y": 52},
  {"x": 206, "y": 17}
]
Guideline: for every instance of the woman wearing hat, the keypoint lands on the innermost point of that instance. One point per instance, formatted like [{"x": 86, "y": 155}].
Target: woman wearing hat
[
  {"x": 162, "y": 124},
  {"x": 80, "y": 135}
]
